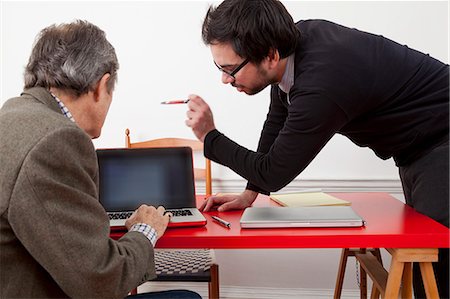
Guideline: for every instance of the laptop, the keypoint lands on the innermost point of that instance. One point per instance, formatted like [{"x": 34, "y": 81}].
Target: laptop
[
  {"x": 129, "y": 178},
  {"x": 324, "y": 216}
]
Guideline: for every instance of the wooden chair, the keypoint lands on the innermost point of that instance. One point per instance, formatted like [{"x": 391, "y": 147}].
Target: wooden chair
[{"x": 208, "y": 269}]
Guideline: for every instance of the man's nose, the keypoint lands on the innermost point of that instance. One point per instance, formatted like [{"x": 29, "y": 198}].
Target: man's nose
[{"x": 227, "y": 79}]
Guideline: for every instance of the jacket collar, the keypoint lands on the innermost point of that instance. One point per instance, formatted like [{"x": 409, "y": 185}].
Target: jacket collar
[{"x": 42, "y": 95}]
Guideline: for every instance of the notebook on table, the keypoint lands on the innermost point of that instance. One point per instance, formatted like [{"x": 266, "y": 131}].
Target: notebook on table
[
  {"x": 129, "y": 178},
  {"x": 304, "y": 199},
  {"x": 325, "y": 216}
]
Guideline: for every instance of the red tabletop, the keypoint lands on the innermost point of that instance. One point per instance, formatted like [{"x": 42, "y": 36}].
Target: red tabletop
[{"x": 390, "y": 224}]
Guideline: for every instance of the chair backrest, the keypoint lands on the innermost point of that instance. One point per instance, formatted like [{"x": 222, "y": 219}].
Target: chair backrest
[{"x": 195, "y": 145}]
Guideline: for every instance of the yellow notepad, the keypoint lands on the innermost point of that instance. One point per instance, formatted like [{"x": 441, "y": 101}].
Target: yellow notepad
[{"x": 308, "y": 199}]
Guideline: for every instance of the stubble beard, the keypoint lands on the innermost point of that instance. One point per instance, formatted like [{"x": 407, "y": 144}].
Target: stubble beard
[{"x": 264, "y": 81}]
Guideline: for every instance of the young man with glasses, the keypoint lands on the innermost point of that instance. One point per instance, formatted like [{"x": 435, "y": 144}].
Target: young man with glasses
[{"x": 326, "y": 79}]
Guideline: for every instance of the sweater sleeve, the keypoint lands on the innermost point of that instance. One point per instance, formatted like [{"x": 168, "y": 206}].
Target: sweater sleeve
[
  {"x": 56, "y": 215},
  {"x": 311, "y": 120},
  {"x": 274, "y": 123}
]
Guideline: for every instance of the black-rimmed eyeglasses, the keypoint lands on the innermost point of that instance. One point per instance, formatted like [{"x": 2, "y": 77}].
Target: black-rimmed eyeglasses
[{"x": 237, "y": 69}]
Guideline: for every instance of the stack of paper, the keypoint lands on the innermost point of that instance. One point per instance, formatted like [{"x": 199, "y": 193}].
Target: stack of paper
[{"x": 308, "y": 199}]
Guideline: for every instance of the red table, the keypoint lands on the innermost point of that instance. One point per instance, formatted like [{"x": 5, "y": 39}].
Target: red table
[{"x": 408, "y": 235}]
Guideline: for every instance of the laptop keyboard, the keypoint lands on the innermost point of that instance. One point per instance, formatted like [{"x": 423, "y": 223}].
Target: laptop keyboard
[
  {"x": 119, "y": 215},
  {"x": 126, "y": 215},
  {"x": 179, "y": 212}
]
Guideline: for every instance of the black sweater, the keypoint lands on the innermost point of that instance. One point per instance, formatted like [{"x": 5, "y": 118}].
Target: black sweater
[{"x": 378, "y": 93}]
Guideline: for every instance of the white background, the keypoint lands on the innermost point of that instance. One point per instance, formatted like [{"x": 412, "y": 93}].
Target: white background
[{"x": 162, "y": 57}]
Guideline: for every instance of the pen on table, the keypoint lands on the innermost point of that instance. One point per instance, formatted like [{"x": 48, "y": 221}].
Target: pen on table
[
  {"x": 175, "y": 102},
  {"x": 221, "y": 221}
]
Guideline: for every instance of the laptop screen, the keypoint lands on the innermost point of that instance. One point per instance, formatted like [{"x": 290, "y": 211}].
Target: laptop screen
[{"x": 152, "y": 176}]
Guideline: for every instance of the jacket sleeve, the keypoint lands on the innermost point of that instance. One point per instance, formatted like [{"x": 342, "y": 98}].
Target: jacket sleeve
[
  {"x": 311, "y": 120},
  {"x": 56, "y": 214}
]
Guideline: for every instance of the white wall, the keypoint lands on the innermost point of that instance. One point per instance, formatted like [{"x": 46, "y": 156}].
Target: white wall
[{"x": 162, "y": 57}]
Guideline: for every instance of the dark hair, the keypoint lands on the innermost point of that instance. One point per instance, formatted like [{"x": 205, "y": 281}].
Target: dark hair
[
  {"x": 72, "y": 57},
  {"x": 252, "y": 27}
]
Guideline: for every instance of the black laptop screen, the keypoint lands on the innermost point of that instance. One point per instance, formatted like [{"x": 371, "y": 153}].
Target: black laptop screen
[{"x": 154, "y": 176}]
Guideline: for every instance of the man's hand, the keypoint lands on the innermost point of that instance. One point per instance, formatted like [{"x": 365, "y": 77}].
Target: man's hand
[
  {"x": 199, "y": 117},
  {"x": 151, "y": 216},
  {"x": 229, "y": 202}
]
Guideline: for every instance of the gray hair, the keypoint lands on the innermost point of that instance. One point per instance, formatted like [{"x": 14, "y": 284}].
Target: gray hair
[{"x": 72, "y": 57}]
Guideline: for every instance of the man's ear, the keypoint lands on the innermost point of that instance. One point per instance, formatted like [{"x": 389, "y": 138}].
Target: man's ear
[
  {"x": 273, "y": 57},
  {"x": 102, "y": 87},
  {"x": 273, "y": 54}
]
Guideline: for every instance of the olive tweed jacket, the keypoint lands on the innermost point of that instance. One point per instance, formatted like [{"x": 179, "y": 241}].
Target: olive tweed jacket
[{"x": 54, "y": 234}]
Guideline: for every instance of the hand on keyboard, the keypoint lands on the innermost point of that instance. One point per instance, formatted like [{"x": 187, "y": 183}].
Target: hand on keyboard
[{"x": 151, "y": 216}]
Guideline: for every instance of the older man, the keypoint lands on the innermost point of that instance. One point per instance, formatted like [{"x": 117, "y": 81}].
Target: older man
[{"x": 54, "y": 234}]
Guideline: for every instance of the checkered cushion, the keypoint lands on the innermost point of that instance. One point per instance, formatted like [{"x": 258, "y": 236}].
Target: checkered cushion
[{"x": 183, "y": 264}]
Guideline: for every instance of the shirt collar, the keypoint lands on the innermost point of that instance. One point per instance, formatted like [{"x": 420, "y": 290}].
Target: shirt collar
[
  {"x": 63, "y": 108},
  {"x": 288, "y": 77}
]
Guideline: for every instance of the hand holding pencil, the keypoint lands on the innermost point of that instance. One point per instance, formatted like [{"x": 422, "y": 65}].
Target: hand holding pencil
[{"x": 199, "y": 117}]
